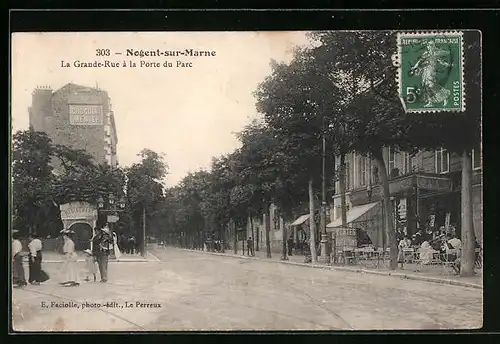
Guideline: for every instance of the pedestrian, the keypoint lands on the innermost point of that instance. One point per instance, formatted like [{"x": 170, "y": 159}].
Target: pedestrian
[
  {"x": 290, "y": 246},
  {"x": 101, "y": 244},
  {"x": 131, "y": 244},
  {"x": 403, "y": 243},
  {"x": 250, "y": 246},
  {"x": 116, "y": 249},
  {"x": 137, "y": 246},
  {"x": 69, "y": 269},
  {"x": 36, "y": 274},
  {"x": 122, "y": 243},
  {"x": 90, "y": 266},
  {"x": 18, "y": 277}
]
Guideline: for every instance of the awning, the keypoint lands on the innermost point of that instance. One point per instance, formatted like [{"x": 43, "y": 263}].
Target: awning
[
  {"x": 301, "y": 220},
  {"x": 353, "y": 214}
]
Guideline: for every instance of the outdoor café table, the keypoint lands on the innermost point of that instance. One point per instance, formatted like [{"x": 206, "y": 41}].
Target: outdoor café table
[
  {"x": 364, "y": 252},
  {"x": 408, "y": 254}
]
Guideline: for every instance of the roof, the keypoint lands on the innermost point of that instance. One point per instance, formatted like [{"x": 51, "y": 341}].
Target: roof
[
  {"x": 300, "y": 220},
  {"x": 81, "y": 89},
  {"x": 353, "y": 214}
]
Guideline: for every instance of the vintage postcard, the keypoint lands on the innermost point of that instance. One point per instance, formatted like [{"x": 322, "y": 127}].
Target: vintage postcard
[{"x": 258, "y": 180}]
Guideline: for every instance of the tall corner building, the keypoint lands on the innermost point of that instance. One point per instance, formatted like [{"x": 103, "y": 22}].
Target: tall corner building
[{"x": 76, "y": 116}]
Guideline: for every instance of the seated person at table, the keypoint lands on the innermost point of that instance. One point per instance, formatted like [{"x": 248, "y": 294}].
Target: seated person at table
[
  {"x": 428, "y": 234},
  {"x": 426, "y": 252},
  {"x": 448, "y": 253},
  {"x": 454, "y": 247},
  {"x": 455, "y": 242},
  {"x": 417, "y": 239}
]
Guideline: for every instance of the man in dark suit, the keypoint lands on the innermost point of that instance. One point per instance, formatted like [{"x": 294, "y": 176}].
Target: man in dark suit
[{"x": 101, "y": 246}]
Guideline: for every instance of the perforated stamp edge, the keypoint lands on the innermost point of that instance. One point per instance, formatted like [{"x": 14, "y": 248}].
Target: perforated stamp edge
[{"x": 430, "y": 33}]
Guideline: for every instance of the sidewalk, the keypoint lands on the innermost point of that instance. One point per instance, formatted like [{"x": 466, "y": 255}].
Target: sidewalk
[
  {"x": 54, "y": 257},
  {"x": 435, "y": 274}
]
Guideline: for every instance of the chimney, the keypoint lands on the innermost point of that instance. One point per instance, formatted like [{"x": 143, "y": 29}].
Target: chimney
[{"x": 40, "y": 107}]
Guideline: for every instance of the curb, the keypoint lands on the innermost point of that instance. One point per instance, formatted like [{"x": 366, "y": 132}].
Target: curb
[
  {"x": 130, "y": 260},
  {"x": 109, "y": 261},
  {"x": 363, "y": 271}
]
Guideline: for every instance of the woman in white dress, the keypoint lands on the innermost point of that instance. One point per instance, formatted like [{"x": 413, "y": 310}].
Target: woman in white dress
[
  {"x": 116, "y": 250},
  {"x": 69, "y": 269},
  {"x": 426, "y": 253},
  {"x": 403, "y": 244}
]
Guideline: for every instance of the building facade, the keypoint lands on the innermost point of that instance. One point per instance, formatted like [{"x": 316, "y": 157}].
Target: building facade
[
  {"x": 425, "y": 191},
  {"x": 79, "y": 117}
]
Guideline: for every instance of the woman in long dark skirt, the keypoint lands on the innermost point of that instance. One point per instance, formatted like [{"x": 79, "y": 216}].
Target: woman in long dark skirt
[
  {"x": 35, "y": 260},
  {"x": 19, "y": 279}
]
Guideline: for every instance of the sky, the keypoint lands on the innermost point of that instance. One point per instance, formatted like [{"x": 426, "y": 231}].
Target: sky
[{"x": 189, "y": 114}]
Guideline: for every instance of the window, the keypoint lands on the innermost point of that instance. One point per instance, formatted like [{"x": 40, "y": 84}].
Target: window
[
  {"x": 362, "y": 170},
  {"x": 406, "y": 163},
  {"x": 442, "y": 161},
  {"x": 476, "y": 159},
  {"x": 337, "y": 174},
  {"x": 409, "y": 163},
  {"x": 347, "y": 176},
  {"x": 414, "y": 163},
  {"x": 338, "y": 211},
  {"x": 355, "y": 167},
  {"x": 391, "y": 163}
]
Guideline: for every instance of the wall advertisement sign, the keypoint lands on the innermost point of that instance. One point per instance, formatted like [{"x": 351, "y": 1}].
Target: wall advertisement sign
[
  {"x": 86, "y": 115},
  {"x": 345, "y": 237}
]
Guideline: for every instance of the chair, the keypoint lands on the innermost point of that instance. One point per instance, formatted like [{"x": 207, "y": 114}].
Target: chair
[
  {"x": 408, "y": 255},
  {"x": 349, "y": 256},
  {"x": 478, "y": 263}
]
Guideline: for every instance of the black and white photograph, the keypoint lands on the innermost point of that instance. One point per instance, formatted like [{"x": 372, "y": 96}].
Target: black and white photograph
[{"x": 246, "y": 180}]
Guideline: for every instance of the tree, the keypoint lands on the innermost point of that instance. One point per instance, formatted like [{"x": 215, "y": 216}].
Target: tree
[
  {"x": 360, "y": 62},
  {"x": 32, "y": 181},
  {"x": 459, "y": 133},
  {"x": 292, "y": 101},
  {"x": 144, "y": 189},
  {"x": 368, "y": 116},
  {"x": 259, "y": 172}
]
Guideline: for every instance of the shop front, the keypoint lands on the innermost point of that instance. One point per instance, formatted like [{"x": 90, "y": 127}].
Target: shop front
[
  {"x": 414, "y": 199},
  {"x": 80, "y": 217},
  {"x": 300, "y": 232}
]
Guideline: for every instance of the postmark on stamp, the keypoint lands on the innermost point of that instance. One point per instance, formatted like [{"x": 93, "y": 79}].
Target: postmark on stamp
[{"x": 430, "y": 74}]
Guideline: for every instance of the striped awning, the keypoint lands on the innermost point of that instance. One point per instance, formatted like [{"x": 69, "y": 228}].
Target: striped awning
[
  {"x": 353, "y": 214},
  {"x": 301, "y": 220}
]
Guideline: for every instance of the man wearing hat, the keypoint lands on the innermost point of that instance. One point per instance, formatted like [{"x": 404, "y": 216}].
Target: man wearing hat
[
  {"x": 19, "y": 278},
  {"x": 101, "y": 244}
]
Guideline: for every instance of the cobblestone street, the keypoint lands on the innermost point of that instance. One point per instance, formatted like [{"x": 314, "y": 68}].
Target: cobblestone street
[{"x": 196, "y": 291}]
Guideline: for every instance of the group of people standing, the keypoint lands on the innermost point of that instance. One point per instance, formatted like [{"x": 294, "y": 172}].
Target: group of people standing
[
  {"x": 128, "y": 244},
  {"x": 102, "y": 244},
  {"x": 36, "y": 274}
]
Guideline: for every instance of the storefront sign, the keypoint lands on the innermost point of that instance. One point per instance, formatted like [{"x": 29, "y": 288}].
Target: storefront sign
[
  {"x": 345, "y": 237},
  {"x": 432, "y": 220},
  {"x": 430, "y": 183},
  {"x": 447, "y": 220},
  {"x": 402, "y": 208},
  {"x": 400, "y": 185},
  {"x": 113, "y": 218},
  {"x": 85, "y": 115},
  {"x": 77, "y": 211}
]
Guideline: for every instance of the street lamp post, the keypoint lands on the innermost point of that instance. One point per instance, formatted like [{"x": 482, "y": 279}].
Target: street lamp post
[
  {"x": 112, "y": 209},
  {"x": 325, "y": 257}
]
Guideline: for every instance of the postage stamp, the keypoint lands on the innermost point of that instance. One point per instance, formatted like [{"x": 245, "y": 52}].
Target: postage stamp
[
  {"x": 160, "y": 177},
  {"x": 431, "y": 71}
]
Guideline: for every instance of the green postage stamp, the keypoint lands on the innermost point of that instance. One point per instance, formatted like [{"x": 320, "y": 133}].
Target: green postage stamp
[{"x": 431, "y": 71}]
